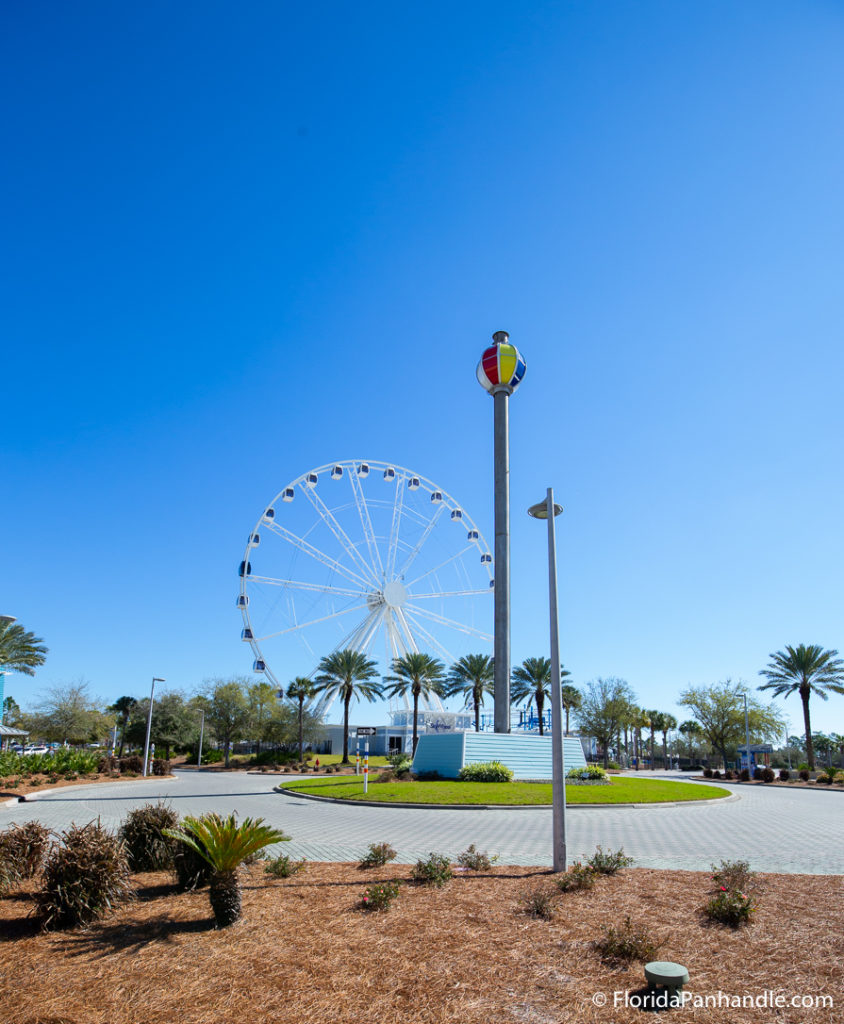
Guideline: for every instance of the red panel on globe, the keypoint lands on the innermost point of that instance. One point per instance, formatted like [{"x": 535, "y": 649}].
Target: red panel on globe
[{"x": 490, "y": 364}]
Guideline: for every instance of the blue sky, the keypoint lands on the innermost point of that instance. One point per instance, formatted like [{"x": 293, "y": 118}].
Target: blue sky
[{"x": 241, "y": 241}]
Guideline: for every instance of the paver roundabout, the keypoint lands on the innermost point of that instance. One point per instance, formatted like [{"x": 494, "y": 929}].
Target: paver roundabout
[{"x": 777, "y": 830}]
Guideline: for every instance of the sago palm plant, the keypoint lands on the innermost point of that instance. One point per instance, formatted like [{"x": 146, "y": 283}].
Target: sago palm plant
[{"x": 225, "y": 845}]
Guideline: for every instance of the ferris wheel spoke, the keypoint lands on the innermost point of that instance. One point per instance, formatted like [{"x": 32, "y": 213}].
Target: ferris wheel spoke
[
  {"x": 395, "y": 525},
  {"x": 449, "y": 593},
  {"x": 437, "y": 568},
  {"x": 431, "y": 639},
  {"x": 408, "y": 632},
  {"x": 425, "y": 535},
  {"x": 302, "y": 585},
  {"x": 315, "y": 553},
  {"x": 366, "y": 521},
  {"x": 451, "y": 623},
  {"x": 331, "y": 522},
  {"x": 312, "y": 622},
  {"x": 366, "y": 626}
]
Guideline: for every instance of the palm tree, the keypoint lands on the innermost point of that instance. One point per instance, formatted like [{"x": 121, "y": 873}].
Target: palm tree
[
  {"x": 805, "y": 670},
  {"x": 225, "y": 845},
  {"x": 300, "y": 690},
  {"x": 419, "y": 673},
  {"x": 471, "y": 676},
  {"x": 655, "y": 725},
  {"x": 123, "y": 706},
  {"x": 531, "y": 681},
  {"x": 572, "y": 700},
  {"x": 347, "y": 674},
  {"x": 20, "y": 651},
  {"x": 667, "y": 723},
  {"x": 691, "y": 730},
  {"x": 639, "y": 720}
]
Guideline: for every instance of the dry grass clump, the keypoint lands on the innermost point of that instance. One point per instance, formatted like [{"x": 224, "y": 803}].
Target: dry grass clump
[
  {"x": 304, "y": 953},
  {"x": 22, "y": 852},
  {"x": 142, "y": 833}
]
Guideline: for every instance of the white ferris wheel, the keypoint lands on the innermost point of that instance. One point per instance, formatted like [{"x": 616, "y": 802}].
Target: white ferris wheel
[{"x": 366, "y": 555}]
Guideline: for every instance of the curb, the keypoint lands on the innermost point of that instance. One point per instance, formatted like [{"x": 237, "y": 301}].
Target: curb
[
  {"x": 28, "y": 798},
  {"x": 499, "y": 807}
]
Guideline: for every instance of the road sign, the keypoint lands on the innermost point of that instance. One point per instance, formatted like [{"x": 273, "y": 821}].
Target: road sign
[{"x": 366, "y": 730}]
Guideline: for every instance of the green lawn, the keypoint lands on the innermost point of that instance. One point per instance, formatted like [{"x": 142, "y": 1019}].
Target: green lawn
[{"x": 620, "y": 791}]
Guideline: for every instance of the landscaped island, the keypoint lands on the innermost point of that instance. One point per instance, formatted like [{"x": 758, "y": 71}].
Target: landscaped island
[{"x": 620, "y": 791}]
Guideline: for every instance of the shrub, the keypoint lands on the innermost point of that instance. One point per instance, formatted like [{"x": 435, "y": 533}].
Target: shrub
[
  {"x": 733, "y": 875},
  {"x": 616, "y": 767},
  {"x": 399, "y": 762},
  {"x": 23, "y": 848},
  {"x": 728, "y": 775},
  {"x": 716, "y": 774},
  {"x": 804, "y": 774},
  {"x": 744, "y": 775},
  {"x": 133, "y": 763},
  {"x": 225, "y": 845},
  {"x": 707, "y": 773},
  {"x": 803, "y": 766},
  {"x": 785, "y": 775},
  {"x": 609, "y": 862},
  {"x": 768, "y": 775},
  {"x": 283, "y": 866},
  {"x": 161, "y": 766},
  {"x": 823, "y": 780},
  {"x": 192, "y": 869},
  {"x": 626, "y": 943},
  {"x": 142, "y": 832},
  {"x": 578, "y": 877},
  {"x": 380, "y": 895},
  {"x": 86, "y": 875},
  {"x": 212, "y": 756},
  {"x": 757, "y": 773},
  {"x": 839, "y": 779},
  {"x": 486, "y": 771},
  {"x": 730, "y": 907},
  {"x": 377, "y": 855},
  {"x": 538, "y": 901},
  {"x": 830, "y": 772},
  {"x": 591, "y": 773},
  {"x": 475, "y": 860},
  {"x": 107, "y": 765},
  {"x": 435, "y": 870}
]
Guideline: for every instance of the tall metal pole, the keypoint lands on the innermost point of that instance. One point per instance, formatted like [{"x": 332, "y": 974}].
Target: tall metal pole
[
  {"x": 502, "y": 560},
  {"x": 558, "y": 776},
  {"x": 746, "y": 735},
  {"x": 155, "y": 680},
  {"x": 499, "y": 372}
]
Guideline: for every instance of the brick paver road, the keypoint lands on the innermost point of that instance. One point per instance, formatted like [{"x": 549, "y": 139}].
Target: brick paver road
[{"x": 775, "y": 829}]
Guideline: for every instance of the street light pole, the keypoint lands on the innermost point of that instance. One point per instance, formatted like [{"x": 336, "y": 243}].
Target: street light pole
[
  {"x": 155, "y": 680},
  {"x": 201, "y": 731},
  {"x": 746, "y": 735},
  {"x": 548, "y": 510}
]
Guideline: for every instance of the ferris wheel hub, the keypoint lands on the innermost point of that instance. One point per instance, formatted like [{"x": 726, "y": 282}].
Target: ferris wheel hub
[{"x": 395, "y": 594}]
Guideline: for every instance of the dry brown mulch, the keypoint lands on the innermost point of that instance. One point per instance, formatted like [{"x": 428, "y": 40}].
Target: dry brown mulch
[{"x": 305, "y": 952}]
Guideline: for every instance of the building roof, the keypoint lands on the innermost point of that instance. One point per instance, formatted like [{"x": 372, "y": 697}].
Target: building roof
[{"x": 7, "y": 730}]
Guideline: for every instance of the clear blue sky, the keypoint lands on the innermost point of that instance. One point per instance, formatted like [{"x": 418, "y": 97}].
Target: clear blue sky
[{"x": 241, "y": 241}]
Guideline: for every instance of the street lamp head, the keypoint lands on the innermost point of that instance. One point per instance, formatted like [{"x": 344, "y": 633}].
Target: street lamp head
[
  {"x": 502, "y": 366},
  {"x": 7, "y": 620},
  {"x": 540, "y": 510},
  {"x": 156, "y": 679}
]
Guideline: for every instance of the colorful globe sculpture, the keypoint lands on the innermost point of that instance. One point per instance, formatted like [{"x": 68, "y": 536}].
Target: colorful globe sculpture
[{"x": 502, "y": 366}]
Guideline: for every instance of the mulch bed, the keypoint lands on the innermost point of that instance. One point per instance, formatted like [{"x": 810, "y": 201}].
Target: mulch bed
[
  {"x": 27, "y": 786},
  {"x": 305, "y": 952}
]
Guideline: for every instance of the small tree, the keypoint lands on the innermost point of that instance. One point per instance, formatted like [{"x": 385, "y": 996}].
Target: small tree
[
  {"x": 605, "y": 705},
  {"x": 262, "y": 702},
  {"x": 692, "y": 731},
  {"x": 68, "y": 714},
  {"x": 572, "y": 700},
  {"x": 227, "y": 711},
  {"x": 720, "y": 711}
]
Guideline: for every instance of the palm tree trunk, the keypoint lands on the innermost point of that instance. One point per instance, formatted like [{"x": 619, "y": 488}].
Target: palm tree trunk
[
  {"x": 540, "y": 704},
  {"x": 301, "y": 729},
  {"x": 653, "y": 766},
  {"x": 415, "y": 713},
  {"x": 807, "y": 725},
  {"x": 567, "y": 721},
  {"x": 665, "y": 750},
  {"x": 346, "y": 702},
  {"x": 225, "y": 898},
  {"x": 477, "y": 715}
]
